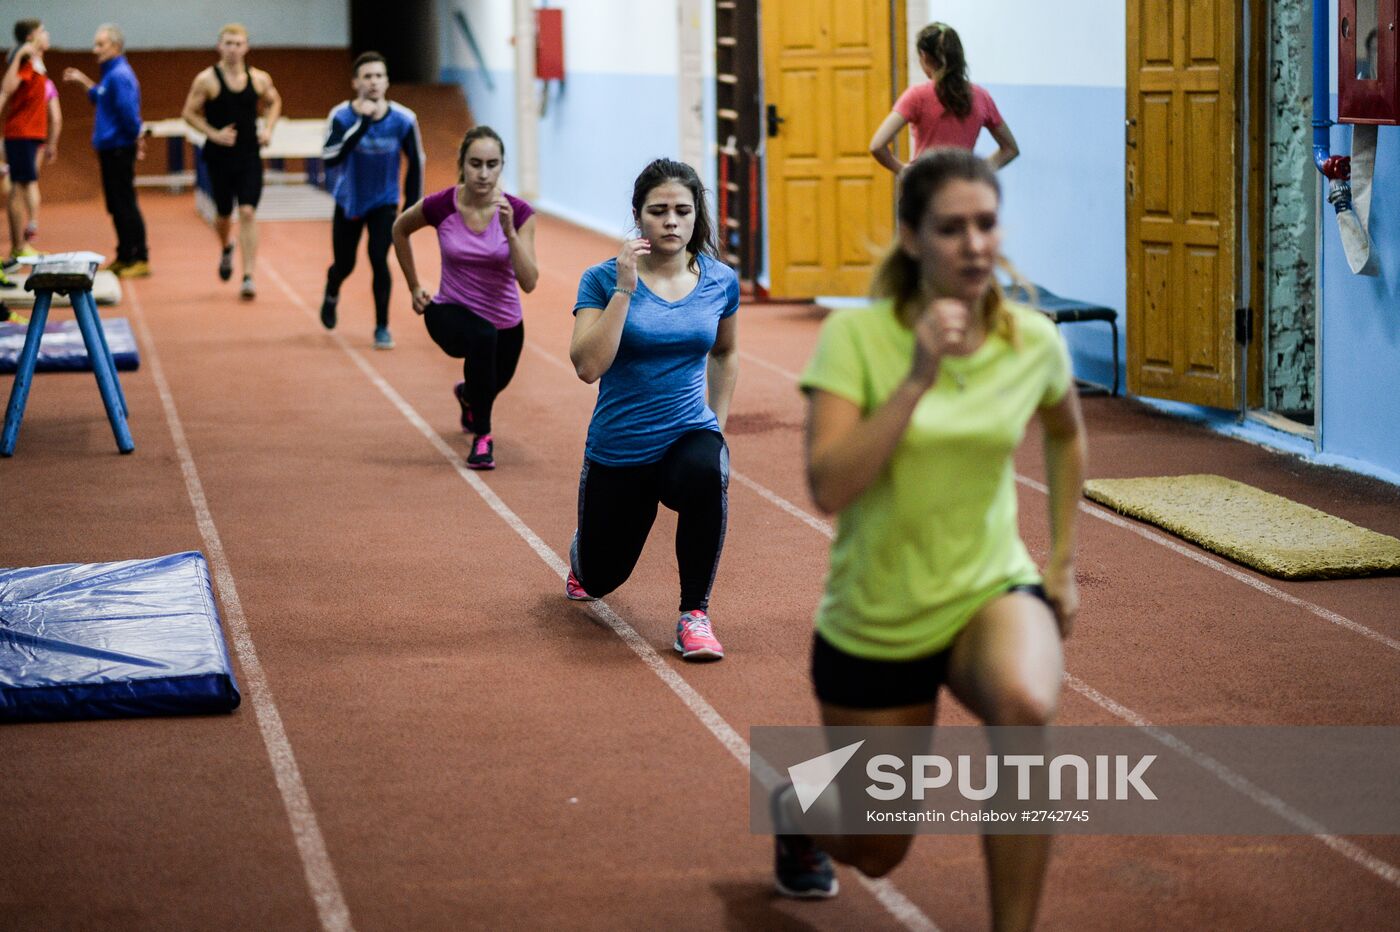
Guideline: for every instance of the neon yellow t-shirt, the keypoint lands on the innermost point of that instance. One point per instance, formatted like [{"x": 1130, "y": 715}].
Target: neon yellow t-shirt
[{"x": 936, "y": 535}]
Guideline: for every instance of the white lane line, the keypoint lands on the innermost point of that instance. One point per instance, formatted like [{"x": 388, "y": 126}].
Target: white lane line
[
  {"x": 1347, "y": 849},
  {"x": 750, "y": 357},
  {"x": 899, "y": 906},
  {"x": 811, "y": 520},
  {"x": 311, "y": 845},
  {"x": 1207, "y": 561},
  {"x": 1204, "y": 559}
]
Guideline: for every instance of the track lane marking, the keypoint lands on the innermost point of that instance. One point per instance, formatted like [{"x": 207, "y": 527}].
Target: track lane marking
[{"x": 311, "y": 844}]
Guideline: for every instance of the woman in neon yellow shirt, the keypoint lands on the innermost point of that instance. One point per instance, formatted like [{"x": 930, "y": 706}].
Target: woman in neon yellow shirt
[{"x": 917, "y": 405}]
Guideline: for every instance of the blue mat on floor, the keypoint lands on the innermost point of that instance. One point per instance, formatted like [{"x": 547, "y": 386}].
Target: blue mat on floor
[
  {"x": 110, "y": 640},
  {"x": 62, "y": 348}
]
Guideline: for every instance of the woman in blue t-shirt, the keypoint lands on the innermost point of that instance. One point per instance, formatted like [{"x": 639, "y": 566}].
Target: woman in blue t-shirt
[{"x": 656, "y": 325}]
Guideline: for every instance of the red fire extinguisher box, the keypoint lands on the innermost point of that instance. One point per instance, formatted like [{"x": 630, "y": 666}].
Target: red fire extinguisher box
[
  {"x": 549, "y": 44},
  {"x": 1368, "y": 87}
]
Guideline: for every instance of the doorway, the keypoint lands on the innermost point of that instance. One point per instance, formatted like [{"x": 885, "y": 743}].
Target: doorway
[{"x": 831, "y": 69}]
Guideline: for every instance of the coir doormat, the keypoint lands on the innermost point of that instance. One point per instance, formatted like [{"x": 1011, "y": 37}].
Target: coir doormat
[{"x": 1259, "y": 529}]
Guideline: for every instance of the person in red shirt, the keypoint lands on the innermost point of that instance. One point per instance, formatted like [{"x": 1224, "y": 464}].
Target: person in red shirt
[
  {"x": 30, "y": 138},
  {"x": 947, "y": 110}
]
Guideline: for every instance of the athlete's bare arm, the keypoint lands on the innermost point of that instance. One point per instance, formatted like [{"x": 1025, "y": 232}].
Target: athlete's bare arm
[{"x": 269, "y": 99}]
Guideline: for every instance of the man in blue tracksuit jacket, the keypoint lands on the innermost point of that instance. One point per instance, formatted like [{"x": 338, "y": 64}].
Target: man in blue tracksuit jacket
[
  {"x": 365, "y": 138},
  {"x": 116, "y": 135}
]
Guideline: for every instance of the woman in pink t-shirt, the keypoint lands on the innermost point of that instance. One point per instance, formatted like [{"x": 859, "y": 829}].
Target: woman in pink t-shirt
[
  {"x": 948, "y": 110},
  {"x": 487, "y": 238}
]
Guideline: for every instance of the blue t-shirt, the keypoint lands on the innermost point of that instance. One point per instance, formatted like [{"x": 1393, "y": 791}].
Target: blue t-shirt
[
  {"x": 362, "y": 158},
  {"x": 655, "y": 389}
]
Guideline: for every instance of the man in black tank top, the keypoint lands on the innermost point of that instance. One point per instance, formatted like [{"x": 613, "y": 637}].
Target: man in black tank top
[{"x": 223, "y": 104}]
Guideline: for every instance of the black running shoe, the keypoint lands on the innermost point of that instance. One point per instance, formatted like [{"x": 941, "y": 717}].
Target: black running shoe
[
  {"x": 328, "y": 311},
  {"x": 800, "y": 868},
  {"x": 226, "y": 263}
]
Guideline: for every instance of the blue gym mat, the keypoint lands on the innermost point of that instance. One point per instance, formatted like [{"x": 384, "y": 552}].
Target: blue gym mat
[
  {"x": 62, "y": 348},
  {"x": 110, "y": 640}
]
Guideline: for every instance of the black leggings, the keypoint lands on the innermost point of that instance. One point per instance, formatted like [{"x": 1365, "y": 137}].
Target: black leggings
[
  {"x": 617, "y": 505},
  {"x": 345, "y": 240},
  {"x": 488, "y": 355}
]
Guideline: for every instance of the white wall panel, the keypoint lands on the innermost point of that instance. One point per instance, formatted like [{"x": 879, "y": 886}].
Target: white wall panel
[
  {"x": 491, "y": 23},
  {"x": 620, "y": 36},
  {"x": 1066, "y": 43}
]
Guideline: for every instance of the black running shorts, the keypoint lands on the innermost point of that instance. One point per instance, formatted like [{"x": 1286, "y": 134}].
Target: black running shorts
[
  {"x": 855, "y": 682},
  {"x": 230, "y": 179}
]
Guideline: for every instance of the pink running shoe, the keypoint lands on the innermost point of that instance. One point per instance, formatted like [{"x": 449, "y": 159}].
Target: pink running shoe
[
  {"x": 460, "y": 391},
  {"x": 573, "y": 589},
  {"x": 694, "y": 638},
  {"x": 481, "y": 456}
]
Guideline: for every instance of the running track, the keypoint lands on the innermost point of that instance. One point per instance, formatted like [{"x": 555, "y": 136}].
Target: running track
[{"x": 432, "y": 737}]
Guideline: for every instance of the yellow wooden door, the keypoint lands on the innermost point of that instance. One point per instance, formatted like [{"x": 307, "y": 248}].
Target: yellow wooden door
[
  {"x": 828, "y": 68},
  {"x": 1182, "y": 173}
]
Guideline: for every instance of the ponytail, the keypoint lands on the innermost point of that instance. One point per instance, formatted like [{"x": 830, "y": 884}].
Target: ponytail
[{"x": 940, "y": 43}]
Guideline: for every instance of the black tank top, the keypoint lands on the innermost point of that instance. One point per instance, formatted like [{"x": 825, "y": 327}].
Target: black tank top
[{"x": 240, "y": 109}]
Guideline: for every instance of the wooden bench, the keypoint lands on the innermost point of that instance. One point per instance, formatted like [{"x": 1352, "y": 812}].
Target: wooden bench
[{"x": 71, "y": 276}]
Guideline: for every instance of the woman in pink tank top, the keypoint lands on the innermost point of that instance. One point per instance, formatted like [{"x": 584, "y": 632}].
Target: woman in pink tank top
[
  {"x": 947, "y": 110},
  {"x": 487, "y": 240}
]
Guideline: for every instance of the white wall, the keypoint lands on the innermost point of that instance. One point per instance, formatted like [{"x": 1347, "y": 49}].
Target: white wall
[
  {"x": 492, "y": 24},
  {"x": 1067, "y": 43},
  {"x": 1057, "y": 72},
  {"x": 616, "y": 110},
  {"x": 153, "y": 24}
]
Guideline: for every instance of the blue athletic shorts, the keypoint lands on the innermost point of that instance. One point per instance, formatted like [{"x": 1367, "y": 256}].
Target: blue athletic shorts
[{"x": 23, "y": 156}]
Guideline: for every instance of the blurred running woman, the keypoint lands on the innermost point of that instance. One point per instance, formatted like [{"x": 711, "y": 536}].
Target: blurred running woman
[{"x": 916, "y": 406}]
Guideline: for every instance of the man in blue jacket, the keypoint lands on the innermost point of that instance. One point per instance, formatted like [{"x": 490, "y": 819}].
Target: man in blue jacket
[
  {"x": 366, "y": 138},
  {"x": 116, "y": 135}
]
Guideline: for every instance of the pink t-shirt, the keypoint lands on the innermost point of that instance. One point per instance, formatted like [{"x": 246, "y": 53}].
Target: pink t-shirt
[
  {"x": 51, "y": 91},
  {"x": 476, "y": 269},
  {"x": 934, "y": 126}
]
